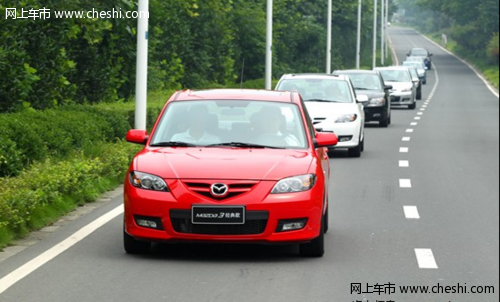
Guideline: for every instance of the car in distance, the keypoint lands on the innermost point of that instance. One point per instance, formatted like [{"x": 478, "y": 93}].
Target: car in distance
[
  {"x": 371, "y": 84},
  {"x": 332, "y": 103},
  {"x": 231, "y": 166},
  {"x": 404, "y": 91},
  {"x": 421, "y": 69},
  {"x": 423, "y": 53},
  {"x": 416, "y": 81}
]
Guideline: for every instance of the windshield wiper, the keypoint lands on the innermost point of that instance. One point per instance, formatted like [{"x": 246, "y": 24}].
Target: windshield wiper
[
  {"x": 243, "y": 145},
  {"x": 173, "y": 144},
  {"x": 322, "y": 101}
]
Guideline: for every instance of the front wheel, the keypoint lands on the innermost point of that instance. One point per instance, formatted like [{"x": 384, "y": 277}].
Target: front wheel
[
  {"x": 413, "y": 106},
  {"x": 133, "y": 246},
  {"x": 315, "y": 248}
]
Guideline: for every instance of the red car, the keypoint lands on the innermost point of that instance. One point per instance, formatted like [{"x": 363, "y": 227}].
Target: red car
[{"x": 229, "y": 166}]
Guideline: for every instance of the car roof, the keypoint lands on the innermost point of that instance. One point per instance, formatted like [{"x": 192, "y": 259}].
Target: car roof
[
  {"x": 315, "y": 76},
  {"x": 360, "y": 71},
  {"x": 237, "y": 94},
  {"x": 392, "y": 68}
]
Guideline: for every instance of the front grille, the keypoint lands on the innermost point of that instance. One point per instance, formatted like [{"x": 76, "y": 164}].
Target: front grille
[
  {"x": 395, "y": 98},
  {"x": 235, "y": 188},
  {"x": 256, "y": 222}
]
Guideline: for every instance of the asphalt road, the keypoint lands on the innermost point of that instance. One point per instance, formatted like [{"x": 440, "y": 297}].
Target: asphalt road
[{"x": 447, "y": 180}]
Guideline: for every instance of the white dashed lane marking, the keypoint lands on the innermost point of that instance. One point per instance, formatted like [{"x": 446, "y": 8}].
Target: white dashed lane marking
[
  {"x": 406, "y": 139},
  {"x": 404, "y": 150},
  {"x": 410, "y": 130},
  {"x": 425, "y": 259},
  {"x": 404, "y": 164},
  {"x": 405, "y": 183},
  {"x": 411, "y": 212}
]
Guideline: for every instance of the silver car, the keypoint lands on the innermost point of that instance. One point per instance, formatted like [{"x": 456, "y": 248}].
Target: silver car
[{"x": 404, "y": 90}]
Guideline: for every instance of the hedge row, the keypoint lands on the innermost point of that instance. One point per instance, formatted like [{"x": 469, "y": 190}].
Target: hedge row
[
  {"x": 34, "y": 136},
  {"x": 53, "y": 184}
]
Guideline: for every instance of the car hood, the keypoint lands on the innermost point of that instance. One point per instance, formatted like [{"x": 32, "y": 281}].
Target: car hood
[
  {"x": 324, "y": 110},
  {"x": 398, "y": 86},
  {"x": 222, "y": 163},
  {"x": 371, "y": 94}
]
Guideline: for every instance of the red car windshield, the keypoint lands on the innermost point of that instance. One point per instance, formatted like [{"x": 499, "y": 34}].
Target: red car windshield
[{"x": 232, "y": 123}]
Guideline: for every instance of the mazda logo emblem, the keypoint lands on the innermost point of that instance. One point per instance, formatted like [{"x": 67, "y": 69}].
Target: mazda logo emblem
[{"x": 219, "y": 190}]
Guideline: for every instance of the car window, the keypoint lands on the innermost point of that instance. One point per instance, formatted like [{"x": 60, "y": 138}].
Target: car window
[
  {"x": 419, "y": 52},
  {"x": 204, "y": 123},
  {"x": 319, "y": 89},
  {"x": 395, "y": 75},
  {"x": 362, "y": 81}
]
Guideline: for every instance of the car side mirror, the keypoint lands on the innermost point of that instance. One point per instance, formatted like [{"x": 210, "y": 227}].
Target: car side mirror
[
  {"x": 388, "y": 87},
  {"x": 137, "y": 136},
  {"x": 325, "y": 139},
  {"x": 430, "y": 55}
]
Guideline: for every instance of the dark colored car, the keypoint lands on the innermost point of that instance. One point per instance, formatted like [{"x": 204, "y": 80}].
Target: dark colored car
[
  {"x": 422, "y": 53},
  {"x": 371, "y": 84}
]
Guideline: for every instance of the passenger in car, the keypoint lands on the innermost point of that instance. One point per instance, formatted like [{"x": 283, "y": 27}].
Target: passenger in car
[
  {"x": 198, "y": 120},
  {"x": 268, "y": 125}
]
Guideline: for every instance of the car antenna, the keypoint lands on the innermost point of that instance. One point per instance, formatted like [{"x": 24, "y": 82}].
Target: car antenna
[{"x": 242, "y": 73}]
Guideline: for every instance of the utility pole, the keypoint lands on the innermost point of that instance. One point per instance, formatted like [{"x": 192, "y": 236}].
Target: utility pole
[
  {"x": 375, "y": 34},
  {"x": 358, "y": 38},
  {"x": 269, "y": 45},
  {"x": 329, "y": 40},
  {"x": 382, "y": 36},
  {"x": 386, "y": 30},
  {"x": 141, "y": 84}
]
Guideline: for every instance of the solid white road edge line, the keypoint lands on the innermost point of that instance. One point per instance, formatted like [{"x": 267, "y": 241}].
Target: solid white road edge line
[
  {"x": 411, "y": 212},
  {"x": 55, "y": 251},
  {"x": 425, "y": 259}
]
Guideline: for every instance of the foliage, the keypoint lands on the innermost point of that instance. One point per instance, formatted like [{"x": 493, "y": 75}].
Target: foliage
[
  {"x": 33, "y": 136},
  {"x": 192, "y": 43},
  {"x": 56, "y": 187}
]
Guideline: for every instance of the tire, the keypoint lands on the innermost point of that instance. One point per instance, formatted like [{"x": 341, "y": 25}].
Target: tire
[
  {"x": 355, "y": 152},
  {"x": 419, "y": 95},
  {"x": 326, "y": 223},
  {"x": 412, "y": 106},
  {"x": 315, "y": 248},
  {"x": 133, "y": 246},
  {"x": 384, "y": 123}
]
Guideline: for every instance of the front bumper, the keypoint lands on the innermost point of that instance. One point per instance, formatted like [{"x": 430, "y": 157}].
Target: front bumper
[
  {"x": 348, "y": 133},
  {"x": 264, "y": 212},
  {"x": 402, "y": 98},
  {"x": 376, "y": 113}
]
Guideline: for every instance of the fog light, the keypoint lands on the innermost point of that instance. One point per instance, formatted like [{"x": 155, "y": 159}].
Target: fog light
[
  {"x": 149, "y": 222},
  {"x": 377, "y": 115},
  {"x": 291, "y": 225},
  {"x": 344, "y": 139}
]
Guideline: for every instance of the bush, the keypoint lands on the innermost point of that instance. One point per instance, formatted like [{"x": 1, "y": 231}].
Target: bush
[
  {"x": 55, "y": 186},
  {"x": 33, "y": 136},
  {"x": 493, "y": 49}
]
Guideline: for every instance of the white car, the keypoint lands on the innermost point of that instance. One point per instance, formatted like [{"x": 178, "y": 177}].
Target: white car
[
  {"x": 404, "y": 90},
  {"x": 333, "y": 107}
]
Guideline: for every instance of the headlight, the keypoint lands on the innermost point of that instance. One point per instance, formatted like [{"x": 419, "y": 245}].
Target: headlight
[
  {"x": 346, "y": 118},
  {"x": 148, "y": 182},
  {"x": 376, "y": 102},
  {"x": 409, "y": 89},
  {"x": 295, "y": 184}
]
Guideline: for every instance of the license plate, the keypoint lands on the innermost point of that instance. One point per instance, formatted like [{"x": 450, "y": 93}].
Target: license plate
[{"x": 218, "y": 215}]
